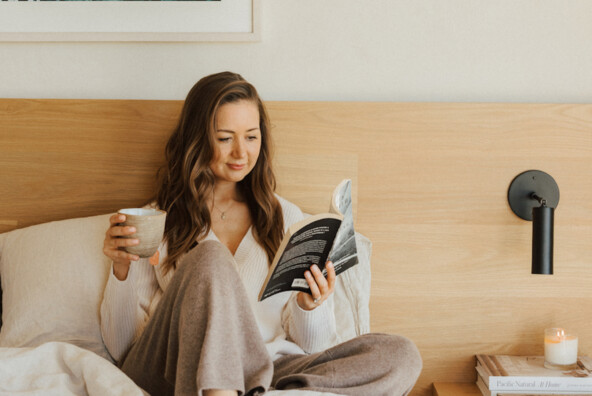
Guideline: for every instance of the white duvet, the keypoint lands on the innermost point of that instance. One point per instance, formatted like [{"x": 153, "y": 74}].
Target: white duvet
[
  {"x": 62, "y": 369},
  {"x": 66, "y": 268}
]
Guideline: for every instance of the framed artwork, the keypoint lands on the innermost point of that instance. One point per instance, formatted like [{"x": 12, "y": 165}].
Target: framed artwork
[{"x": 113, "y": 20}]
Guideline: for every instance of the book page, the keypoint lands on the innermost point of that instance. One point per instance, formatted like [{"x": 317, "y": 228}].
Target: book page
[
  {"x": 530, "y": 366},
  {"x": 344, "y": 253}
]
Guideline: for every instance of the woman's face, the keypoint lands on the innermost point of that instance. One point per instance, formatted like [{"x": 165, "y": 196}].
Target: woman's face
[{"x": 237, "y": 141}]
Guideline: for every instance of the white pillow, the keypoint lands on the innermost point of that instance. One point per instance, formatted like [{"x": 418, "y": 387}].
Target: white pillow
[
  {"x": 352, "y": 294},
  {"x": 53, "y": 276}
]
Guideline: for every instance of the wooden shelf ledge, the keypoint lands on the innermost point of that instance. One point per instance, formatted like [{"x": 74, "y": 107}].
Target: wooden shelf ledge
[{"x": 456, "y": 389}]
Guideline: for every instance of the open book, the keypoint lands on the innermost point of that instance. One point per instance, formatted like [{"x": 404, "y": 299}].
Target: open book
[{"x": 314, "y": 240}]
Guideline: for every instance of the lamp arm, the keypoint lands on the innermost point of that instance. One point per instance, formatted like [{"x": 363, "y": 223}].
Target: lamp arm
[{"x": 541, "y": 200}]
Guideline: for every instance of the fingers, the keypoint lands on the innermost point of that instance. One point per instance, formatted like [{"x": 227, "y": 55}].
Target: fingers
[
  {"x": 120, "y": 256},
  {"x": 324, "y": 286},
  {"x": 330, "y": 275},
  {"x": 116, "y": 230},
  {"x": 320, "y": 287},
  {"x": 315, "y": 291},
  {"x": 117, "y": 218},
  {"x": 117, "y": 238}
]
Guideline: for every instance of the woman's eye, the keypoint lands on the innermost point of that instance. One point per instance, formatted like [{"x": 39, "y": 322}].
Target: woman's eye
[
  {"x": 252, "y": 138},
  {"x": 224, "y": 140}
]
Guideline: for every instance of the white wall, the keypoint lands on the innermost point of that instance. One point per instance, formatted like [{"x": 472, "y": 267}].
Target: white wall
[{"x": 375, "y": 50}]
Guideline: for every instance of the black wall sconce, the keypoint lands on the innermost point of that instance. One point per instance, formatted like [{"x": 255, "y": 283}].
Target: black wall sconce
[{"x": 533, "y": 195}]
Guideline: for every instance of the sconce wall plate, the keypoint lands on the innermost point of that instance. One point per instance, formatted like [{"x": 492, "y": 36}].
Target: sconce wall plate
[{"x": 525, "y": 185}]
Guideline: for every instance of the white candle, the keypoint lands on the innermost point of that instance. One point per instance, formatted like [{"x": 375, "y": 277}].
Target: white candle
[{"x": 561, "y": 349}]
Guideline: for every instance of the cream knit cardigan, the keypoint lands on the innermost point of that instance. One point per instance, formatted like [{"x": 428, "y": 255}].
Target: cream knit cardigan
[{"x": 285, "y": 327}]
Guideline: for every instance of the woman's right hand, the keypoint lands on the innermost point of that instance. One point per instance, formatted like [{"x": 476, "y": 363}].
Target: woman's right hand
[{"x": 113, "y": 246}]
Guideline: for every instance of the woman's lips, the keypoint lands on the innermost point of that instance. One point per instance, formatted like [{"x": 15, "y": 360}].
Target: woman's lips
[{"x": 236, "y": 166}]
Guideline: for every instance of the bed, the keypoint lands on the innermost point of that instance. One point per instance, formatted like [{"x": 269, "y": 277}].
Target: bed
[
  {"x": 52, "y": 268},
  {"x": 450, "y": 261}
]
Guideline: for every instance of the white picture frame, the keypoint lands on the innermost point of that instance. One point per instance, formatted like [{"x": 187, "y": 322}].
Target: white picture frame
[{"x": 226, "y": 20}]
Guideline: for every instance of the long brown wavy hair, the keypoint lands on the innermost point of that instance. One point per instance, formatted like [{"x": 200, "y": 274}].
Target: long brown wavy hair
[{"x": 186, "y": 181}]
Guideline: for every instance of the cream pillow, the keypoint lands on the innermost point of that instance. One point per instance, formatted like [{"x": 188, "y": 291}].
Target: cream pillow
[
  {"x": 53, "y": 276},
  {"x": 352, "y": 294}
]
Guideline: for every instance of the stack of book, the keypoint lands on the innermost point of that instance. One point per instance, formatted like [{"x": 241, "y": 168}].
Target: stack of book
[{"x": 500, "y": 375}]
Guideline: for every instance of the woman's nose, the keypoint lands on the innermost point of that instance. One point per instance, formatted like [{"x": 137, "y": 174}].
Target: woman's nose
[{"x": 239, "y": 148}]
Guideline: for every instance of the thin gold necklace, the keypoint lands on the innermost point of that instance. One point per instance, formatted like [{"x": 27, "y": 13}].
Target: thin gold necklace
[{"x": 222, "y": 212}]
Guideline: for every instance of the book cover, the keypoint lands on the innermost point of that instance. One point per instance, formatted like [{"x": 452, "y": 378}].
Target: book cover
[
  {"x": 526, "y": 374},
  {"x": 314, "y": 240}
]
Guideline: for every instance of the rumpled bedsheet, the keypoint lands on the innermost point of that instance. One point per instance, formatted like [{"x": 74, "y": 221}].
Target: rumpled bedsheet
[{"x": 61, "y": 369}]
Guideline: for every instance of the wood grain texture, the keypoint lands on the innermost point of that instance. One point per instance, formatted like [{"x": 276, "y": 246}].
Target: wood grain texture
[
  {"x": 451, "y": 262},
  {"x": 69, "y": 158},
  {"x": 456, "y": 389}
]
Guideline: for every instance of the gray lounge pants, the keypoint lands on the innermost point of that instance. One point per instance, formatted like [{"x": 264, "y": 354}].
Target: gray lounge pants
[{"x": 203, "y": 335}]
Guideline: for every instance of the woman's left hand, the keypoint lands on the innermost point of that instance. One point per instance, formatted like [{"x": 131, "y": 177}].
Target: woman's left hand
[{"x": 320, "y": 287}]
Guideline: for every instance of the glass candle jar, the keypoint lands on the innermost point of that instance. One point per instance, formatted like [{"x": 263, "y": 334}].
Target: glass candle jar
[{"x": 561, "y": 349}]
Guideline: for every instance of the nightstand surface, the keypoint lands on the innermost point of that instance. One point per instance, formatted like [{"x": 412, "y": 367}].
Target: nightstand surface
[{"x": 456, "y": 389}]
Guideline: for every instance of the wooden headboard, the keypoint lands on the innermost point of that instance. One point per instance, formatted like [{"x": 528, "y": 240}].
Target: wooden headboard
[{"x": 451, "y": 262}]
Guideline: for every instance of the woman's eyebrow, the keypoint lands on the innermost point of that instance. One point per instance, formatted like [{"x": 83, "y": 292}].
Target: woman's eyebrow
[{"x": 231, "y": 131}]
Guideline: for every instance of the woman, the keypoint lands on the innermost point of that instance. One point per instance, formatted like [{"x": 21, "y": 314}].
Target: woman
[{"x": 187, "y": 321}]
